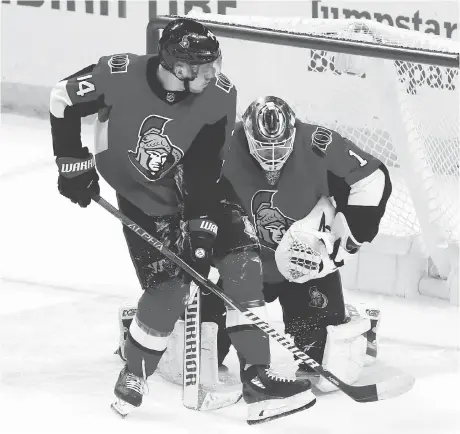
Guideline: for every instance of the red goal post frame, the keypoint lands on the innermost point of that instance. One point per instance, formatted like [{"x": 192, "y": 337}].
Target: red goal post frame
[{"x": 318, "y": 42}]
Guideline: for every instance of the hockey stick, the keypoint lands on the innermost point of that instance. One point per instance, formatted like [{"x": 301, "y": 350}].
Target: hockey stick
[
  {"x": 192, "y": 350},
  {"x": 373, "y": 392}
]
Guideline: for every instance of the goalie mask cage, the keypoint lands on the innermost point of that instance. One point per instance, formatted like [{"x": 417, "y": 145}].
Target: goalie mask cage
[{"x": 393, "y": 92}]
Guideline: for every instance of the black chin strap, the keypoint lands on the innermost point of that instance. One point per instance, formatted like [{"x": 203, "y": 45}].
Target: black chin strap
[{"x": 171, "y": 70}]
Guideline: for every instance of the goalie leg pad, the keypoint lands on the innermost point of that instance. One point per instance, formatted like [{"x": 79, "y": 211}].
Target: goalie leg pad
[
  {"x": 214, "y": 391},
  {"x": 125, "y": 318},
  {"x": 345, "y": 352},
  {"x": 213, "y": 310},
  {"x": 374, "y": 315}
]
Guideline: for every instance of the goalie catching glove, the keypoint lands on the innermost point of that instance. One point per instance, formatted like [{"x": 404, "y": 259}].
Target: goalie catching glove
[{"x": 316, "y": 245}]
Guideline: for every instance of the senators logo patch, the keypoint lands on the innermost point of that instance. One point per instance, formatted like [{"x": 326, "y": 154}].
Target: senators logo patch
[
  {"x": 321, "y": 139},
  {"x": 155, "y": 155},
  {"x": 271, "y": 224},
  {"x": 318, "y": 299}
]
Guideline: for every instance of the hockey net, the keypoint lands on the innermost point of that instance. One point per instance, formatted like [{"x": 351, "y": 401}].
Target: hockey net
[{"x": 405, "y": 112}]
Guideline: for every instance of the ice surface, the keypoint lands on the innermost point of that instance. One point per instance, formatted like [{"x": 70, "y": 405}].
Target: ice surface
[{"x": 65, "y": 272}]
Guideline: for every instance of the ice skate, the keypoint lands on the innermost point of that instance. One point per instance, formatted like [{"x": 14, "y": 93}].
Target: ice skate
[
  {"x": 129, "y": 391},
  {"x": 270, "y": 396}
]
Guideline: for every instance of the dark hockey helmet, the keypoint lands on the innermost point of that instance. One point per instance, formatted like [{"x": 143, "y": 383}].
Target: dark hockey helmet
[
  {"x": 269, "y": 124},
  {"x": 188, "y": 41}
]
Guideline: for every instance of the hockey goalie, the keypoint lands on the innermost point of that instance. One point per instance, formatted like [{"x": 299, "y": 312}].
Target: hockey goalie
[{"x": 287, "y": 172}]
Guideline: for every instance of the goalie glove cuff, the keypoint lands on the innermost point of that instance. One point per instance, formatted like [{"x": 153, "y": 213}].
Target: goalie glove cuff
[
  {"x": 345, "y": 244},
  {"x": 203, "y": 225}
]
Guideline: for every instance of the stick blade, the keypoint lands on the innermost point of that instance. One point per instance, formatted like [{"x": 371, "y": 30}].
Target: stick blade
[
  {"x": 395, "y": 387},
  {"x": 387, "y": 389}
]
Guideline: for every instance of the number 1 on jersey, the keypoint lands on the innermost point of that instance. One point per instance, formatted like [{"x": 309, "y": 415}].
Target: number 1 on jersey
[
  {"x": 84, "y": 86},
  {"x": 362, "y": 161}
]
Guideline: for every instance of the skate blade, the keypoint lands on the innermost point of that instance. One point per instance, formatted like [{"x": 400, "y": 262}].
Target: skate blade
[
  {"x": 122, "y": 408},
  {"x": 266, "y": 411}
]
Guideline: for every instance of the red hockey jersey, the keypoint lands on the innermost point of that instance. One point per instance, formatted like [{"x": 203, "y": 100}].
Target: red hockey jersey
[
  {"x": 318, "y": 152},
  {"x": 152, "y": 145}
]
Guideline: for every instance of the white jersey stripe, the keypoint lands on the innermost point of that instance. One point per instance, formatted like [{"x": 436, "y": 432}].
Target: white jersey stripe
[
  {"x": 368, "y": 191},
  {"x": 59, "y": 99},
  {"x": 157, "y": 343}
]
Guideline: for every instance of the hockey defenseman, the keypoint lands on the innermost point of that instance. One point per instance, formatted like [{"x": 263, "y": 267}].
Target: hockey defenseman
[
  {"x": 163, "y": 127},
  {"x": 285, "y": 172}
]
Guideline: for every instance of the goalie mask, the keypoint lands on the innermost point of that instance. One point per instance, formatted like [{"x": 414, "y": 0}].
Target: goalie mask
[
  {"x": 269, "y": 124},
  {"x": 185, "y": 40}
]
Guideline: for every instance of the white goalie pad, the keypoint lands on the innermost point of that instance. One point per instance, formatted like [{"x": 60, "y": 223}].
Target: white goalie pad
[
  {"x": 352, "y": 346},
  {"x": 345, "y": 352},
  {"x": 126, "y": 315},
  {"x": 218, "y": 390},
  {"x": 374, "y": 315},
  {"x": 302, "y": 254}
]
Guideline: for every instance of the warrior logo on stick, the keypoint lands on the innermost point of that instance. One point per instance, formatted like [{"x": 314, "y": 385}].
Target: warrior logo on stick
[{"x": 155, "y": 155}]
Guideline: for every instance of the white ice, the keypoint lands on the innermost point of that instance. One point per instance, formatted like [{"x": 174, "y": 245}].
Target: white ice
[{"x": 65, "y": 271}]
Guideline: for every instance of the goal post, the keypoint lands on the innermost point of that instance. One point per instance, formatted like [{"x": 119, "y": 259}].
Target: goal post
[{"x": 393, "y": 92}]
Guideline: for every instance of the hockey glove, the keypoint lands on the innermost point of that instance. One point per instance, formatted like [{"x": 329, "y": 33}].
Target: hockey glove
[
  {"x": 78, "y": 179},
  {"x": 303, "y": 252},
  {"x": 345, "y": 244},
  {"x": 202, "y": 234}
]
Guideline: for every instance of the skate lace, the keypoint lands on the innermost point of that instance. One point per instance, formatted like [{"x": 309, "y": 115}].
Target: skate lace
[
  {"x": 276, "y": 376},
  {"x": 138, "y": 384}
]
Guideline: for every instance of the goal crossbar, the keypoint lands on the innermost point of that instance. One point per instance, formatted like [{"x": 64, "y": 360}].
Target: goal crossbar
[{"x": 308, "y": 40}]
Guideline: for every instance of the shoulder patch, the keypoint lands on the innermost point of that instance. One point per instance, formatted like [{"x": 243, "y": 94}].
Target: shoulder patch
[
  {"x": 222, "y": 82},
  {"x": 118, "y": 63},
  {"x": 321, "y": 139}
]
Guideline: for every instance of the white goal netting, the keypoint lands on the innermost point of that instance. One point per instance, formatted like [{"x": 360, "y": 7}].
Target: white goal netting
[{"x": 404, "y": 113}]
